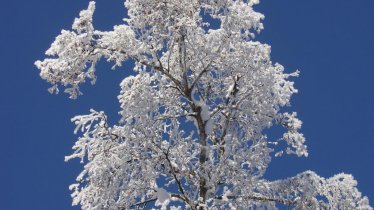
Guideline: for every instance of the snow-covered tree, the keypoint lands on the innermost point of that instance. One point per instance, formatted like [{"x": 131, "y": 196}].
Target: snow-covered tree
[{"x": 193, "y": 118}]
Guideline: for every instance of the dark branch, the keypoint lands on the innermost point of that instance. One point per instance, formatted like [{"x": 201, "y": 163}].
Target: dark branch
[{"x": 142, "y": 203}]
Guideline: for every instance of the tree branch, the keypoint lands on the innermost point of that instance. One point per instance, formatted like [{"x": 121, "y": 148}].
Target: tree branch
[
  {"x": 258, "y": 198},
  {"x": 184, "y": 196},
  {"x": 141, "y": 203}
]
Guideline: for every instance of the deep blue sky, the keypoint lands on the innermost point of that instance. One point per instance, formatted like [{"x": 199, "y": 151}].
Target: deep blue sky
[{"x": 331, "y": 42}]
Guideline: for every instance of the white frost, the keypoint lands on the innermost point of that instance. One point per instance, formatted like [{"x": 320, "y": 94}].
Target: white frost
[
  {"x": 163, "y": 197},
  {"x": 182, "y": 63}
]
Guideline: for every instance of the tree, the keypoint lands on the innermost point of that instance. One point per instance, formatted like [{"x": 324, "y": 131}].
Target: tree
[{"x": 193, "y": 118}]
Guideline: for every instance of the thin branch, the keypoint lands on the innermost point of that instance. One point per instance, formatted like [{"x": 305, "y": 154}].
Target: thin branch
[
  {"x": 258, "y": 198},
  {"x": 184, "y": 196},
  {"x": 163, "y": 117},
  {"x": 142, "y": 203},
  {"x": 160, "y": 69},
  {"x": 180, "y": 187},
  {"x": 200, "y": 75}
]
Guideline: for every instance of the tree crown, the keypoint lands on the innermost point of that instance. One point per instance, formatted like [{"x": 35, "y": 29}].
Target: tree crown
[{"x": 193, "y": 118}]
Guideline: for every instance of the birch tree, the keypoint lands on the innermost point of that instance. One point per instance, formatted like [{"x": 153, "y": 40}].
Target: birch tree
[{"x": 193, "y": 116}]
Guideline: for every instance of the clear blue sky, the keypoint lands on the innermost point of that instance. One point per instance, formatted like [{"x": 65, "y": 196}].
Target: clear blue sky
[{"x": 331, "y": 42}]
